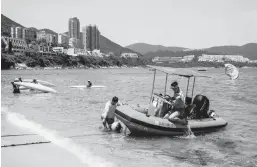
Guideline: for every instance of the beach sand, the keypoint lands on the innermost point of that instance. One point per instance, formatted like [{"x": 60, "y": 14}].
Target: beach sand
[{"x": 40, "y": 155}]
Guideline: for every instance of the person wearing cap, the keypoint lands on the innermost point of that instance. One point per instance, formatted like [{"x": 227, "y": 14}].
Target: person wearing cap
[
  {"x": 89, "y": 83},
  {"x": 107, "y": 115}
]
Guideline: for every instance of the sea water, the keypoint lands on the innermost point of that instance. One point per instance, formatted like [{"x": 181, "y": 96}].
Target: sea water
[{"x": 71, "y": 118}]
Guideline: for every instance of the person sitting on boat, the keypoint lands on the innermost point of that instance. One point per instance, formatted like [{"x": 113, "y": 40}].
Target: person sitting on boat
[
  {"x": 16, "y": 88},
  {"x": 177, "y": 111},
  {"x": 178, "y": 104},
  {"x": 89, "y": 83},
  {"x": 177, "y": 92},
  {"x": 20, "y": 79},
  {"x": 108, "y": 116},
  {"x": 34, "y": 81}
]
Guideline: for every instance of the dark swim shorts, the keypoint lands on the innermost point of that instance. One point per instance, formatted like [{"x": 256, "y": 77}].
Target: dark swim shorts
[{"x": 109, "y": 120}]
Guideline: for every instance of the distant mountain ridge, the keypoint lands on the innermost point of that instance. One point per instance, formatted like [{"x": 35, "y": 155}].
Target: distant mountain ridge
[
  {"x": 106, "y": 45},
  {"x": 144, "y": 48},
  {"x": 248, "y": 50}
]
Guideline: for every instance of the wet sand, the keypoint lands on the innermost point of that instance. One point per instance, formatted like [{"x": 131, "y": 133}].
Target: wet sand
[{"x": 33, "y": 154}]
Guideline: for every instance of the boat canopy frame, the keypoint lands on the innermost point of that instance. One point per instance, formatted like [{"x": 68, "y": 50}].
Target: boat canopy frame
[{"x": 178, "y": 72}]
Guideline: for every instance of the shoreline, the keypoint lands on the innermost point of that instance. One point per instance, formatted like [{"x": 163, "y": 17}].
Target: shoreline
[
  {"x": 80, "y": 67},
  {"x": 22, "y": 66}
]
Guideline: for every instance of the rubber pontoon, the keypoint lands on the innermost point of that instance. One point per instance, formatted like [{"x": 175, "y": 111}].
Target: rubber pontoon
[{"x": 140, "y": 124}]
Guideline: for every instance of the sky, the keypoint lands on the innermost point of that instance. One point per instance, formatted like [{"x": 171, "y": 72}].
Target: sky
[{"x": 184, "y": 23}]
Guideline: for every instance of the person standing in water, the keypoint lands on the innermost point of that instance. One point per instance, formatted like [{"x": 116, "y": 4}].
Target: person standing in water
[
  {"x": 16, "y": 88},
  {"x": 89, "y": 83},
  {"x": 107, "y": 115}
]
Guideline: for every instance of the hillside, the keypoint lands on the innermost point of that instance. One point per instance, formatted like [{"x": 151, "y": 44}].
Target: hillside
[
  {"x": 143, "y": 48},
  {"x": 107, "y": 46},
  {"x": 248, "y": 50},
  {"x": 48, "y": 31},
  {"x": 6, "y": 25}
]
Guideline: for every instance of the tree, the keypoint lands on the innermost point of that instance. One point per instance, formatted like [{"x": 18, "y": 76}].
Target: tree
[
  {"x": 3, "y": 45},
  {"x": 28, "y": 41},
  {"x": 41, "y": 41},
  {"x": 10, "y": 47}
]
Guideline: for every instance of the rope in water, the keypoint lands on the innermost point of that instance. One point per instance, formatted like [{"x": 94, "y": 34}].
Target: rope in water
[
  {"x": 40, "y": 142},
  {"x": 24, "y": 144},
  {"x": 18, "y": 135}
]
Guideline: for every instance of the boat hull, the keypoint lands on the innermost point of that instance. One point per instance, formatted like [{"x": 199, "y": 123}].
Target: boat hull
[{"x": 139, "y": 124}]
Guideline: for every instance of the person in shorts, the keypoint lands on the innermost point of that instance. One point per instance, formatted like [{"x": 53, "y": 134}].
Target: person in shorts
[{"x": 107, "y": 115}]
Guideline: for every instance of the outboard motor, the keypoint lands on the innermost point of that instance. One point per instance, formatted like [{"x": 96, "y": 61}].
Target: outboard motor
[{"x": 202, "y": 105}]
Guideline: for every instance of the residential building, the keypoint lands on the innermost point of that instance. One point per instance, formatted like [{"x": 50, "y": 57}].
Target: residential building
[
  {"x": 18, "y": 45},
  {"x": 80, "y": 43},
  {"x": 16, "y": 32},
  {"x": 74, "y": 28},
  {"x": 50, "y": 39},
  {"x": 86, "y": 36},
  {"x": 74, "y": 43},
  {"x": 131, "y": 55},
  {"x": 175, "y": 59},
  {"x": 63, "y": 39},
  {"x": 29, "y": 34},
  {"x": 91, "y": 38},
  {"x": 58, "y": 49},
  {"x": 222, "y": 58},
  {"x": 188, "y": 58},
  {"x": 166, "y": 59}
]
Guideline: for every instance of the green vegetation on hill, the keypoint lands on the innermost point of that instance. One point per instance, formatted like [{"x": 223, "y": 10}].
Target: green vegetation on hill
[
  {"x": 36, "y": 60},
  {"x": 144, "y": 48},
  {"x": 248, "y": 50}
]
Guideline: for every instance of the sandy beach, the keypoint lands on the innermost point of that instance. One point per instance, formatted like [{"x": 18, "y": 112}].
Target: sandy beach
[{"x": 33, "y": 154}]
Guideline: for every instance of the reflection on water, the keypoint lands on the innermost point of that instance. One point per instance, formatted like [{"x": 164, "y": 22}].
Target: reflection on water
[{"x": 75, "y": 113}]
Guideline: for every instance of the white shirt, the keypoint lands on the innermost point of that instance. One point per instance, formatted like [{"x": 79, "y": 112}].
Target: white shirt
[{"x": 109, "y": 110}]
